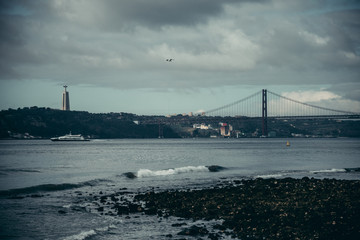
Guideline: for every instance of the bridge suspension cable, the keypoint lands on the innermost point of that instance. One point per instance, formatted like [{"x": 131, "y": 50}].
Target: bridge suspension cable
[
  {"x": 281, "y": 106},
  {"x": 249, "y": 106},
  {"x": 276, "y": 106}
]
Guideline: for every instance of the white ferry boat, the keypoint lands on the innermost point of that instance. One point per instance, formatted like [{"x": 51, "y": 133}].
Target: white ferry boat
[{"x": 70, "y": 137}]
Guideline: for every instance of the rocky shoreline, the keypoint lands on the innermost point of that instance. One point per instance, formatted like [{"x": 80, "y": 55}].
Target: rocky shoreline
[{"x": 258, "y": 209}]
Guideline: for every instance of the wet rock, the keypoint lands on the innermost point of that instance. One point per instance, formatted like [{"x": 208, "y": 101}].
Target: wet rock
[
  {"x": 122, "y": 210},
  {"x": 219, "y": 227},
  {"x": 215, "y": 168},
  {"x": 353, "y": 169},
  {"x": 103, "y": 199},
  {"x": 134, "y": 208},
  {"x": 178, "y": 224},
  {"x": 62, "y": 212},
  {"x": 269, "y": 208},
  {"x": 214, "y": 236},
  {"x": 194, "y": 231},
  {"x": 130, "y": 175},
  {"x": 114, "y": 199},
  {"x": 151, "y": 211}
]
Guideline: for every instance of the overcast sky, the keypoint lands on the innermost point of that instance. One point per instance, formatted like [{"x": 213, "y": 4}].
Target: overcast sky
[{"x": 112, "y": 53}]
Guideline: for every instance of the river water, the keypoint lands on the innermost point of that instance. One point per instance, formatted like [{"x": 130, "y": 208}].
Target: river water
[{"x": 47, "y": 188}]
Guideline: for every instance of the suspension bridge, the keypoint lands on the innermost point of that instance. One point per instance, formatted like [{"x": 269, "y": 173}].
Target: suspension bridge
[
  {"x": 267, "y": 104},
  {"x": 262, "y": 105}
]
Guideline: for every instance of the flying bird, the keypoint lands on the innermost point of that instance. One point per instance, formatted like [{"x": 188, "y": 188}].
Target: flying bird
[{"x": 169, "y": 59}]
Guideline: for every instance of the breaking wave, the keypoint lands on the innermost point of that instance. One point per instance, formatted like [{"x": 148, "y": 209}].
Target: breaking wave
[
  {"x": 270, "y": 176},
  {"x": 172, "y": 171},
  {"x": 81, "y": 236},
  {"x": 88, "y": 234},
  {"x": 49, "y": 188},
  {"x": 152, "y": 173},
  {"x": 333, "y": 170}
]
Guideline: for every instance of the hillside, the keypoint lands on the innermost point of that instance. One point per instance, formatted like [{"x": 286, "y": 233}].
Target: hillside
[
  {"x": 37, "y": 122},
  {"x": 45, "y": 123}
]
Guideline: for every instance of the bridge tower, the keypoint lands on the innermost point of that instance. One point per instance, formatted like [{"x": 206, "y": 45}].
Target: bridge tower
[{"x": 264, "y": 113}]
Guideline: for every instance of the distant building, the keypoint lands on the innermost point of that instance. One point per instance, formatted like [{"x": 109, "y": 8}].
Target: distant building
[
  {"x": 65, "y": 100},
  {"x": 225, "y": 129},
  {"x": 202, "y": 126}
]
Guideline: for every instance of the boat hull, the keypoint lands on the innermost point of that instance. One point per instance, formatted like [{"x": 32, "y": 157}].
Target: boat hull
[{"x": 69, "y": 140}]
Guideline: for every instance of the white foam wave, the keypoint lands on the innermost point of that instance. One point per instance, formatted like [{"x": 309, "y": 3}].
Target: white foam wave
[
  {"x": 86, "y": 234},
  {"x": 333, "y": 170},
  {"x": 105, "y": 229},
  {"x": 81, "y": 236},
  {"x": 269, "y": 176},
  {"x": 67, "y": 206},
  {"x": 171, "y": 171}
]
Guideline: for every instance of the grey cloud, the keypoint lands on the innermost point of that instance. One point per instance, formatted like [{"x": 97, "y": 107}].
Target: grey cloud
[
  {"x": 214, "y": 43},
  {"x": 345, "y": 27},
  {"x": 347, "y": 90},
  {"x": 158, "y": 13}
]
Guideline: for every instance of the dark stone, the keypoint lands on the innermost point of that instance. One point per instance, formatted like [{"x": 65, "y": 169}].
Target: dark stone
[
  {"x": 353, "y": 169},
  {"x": 215, "y": 168},
  {"x": 114, "y": 199},
  {"x": 62, "y": 212},
  {"x": 194, "y": 231},
  {"x": 271, "y": 208},
  {"x": 133, "y": 208},
  {"x": 103, "y": 199},
  {"x": 130, "y": 175},
  {"x": 100, "y": 209},
  {"x": 214, "y": 236},
  {"x": 220, "y": 227},
  {"x": 122, "y": 210},
  {"x": 151, "y": 211},
  {"x": 178, "y": 224}
]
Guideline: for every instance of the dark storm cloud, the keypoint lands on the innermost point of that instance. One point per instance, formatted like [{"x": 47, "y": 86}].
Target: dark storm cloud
[
  {"x": 27, "y": 25},
  {"x": 12, "y": 46},
  {"x": 347, "y": 90},
  {"x": 346, "y": 29},
  {"x": 158, "y": 13},
  {"x": 215, "y": 43}
]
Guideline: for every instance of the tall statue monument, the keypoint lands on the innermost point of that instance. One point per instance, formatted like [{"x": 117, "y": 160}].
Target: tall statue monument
[{"x": 65, "y": 100}]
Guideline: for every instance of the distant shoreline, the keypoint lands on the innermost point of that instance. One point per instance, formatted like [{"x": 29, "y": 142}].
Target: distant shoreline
[
  {"x": 43, "y": 123},
  {"x": 320, "y": 137}
]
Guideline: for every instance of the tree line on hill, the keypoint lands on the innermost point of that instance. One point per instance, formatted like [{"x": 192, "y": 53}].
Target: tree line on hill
[
  {"x": 46, "y": 123},
  {"x": 37, "y": 122}
]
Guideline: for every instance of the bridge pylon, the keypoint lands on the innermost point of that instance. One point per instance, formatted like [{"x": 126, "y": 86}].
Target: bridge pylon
[{"x": 264, "y": 113}]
